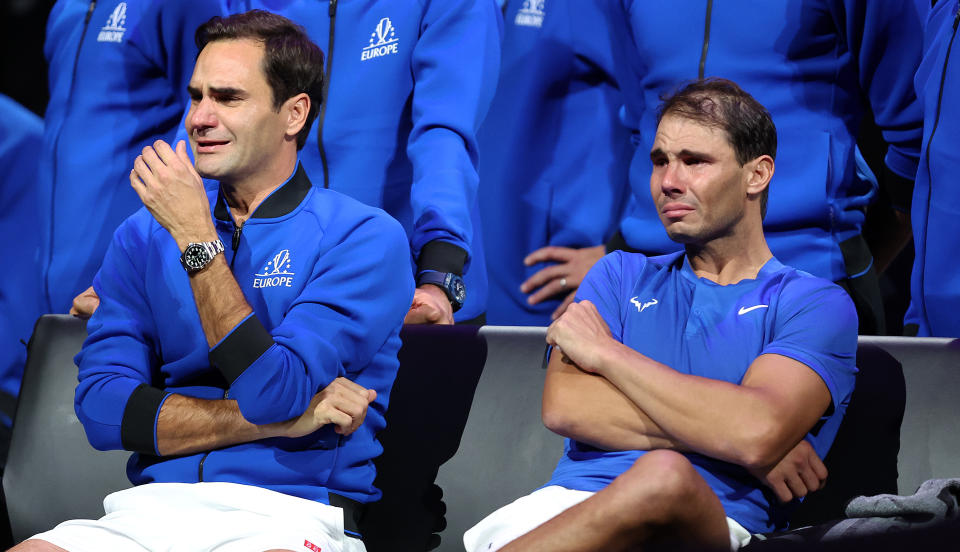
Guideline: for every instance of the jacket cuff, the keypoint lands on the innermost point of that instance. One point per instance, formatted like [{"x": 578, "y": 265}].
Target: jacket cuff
[
  {"x": 441, "y": 256},
  {"x": 138, "y": 428},
  {"x": 241, "y": 348}
]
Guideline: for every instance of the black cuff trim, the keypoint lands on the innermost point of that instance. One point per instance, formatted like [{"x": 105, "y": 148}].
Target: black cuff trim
[
  {"x": 618, "y": 243},
  {"x": 245, "y": 344},
  {"x": 442, "y": 256},
  {"x": 138, "y": 429},
  {"x": 899, "y": 190}
]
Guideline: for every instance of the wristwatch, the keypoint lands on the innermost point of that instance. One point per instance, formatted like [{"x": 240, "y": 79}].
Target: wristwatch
[
  {"x": 196, "y": 256},
  {"x": 450, "y": 283}
]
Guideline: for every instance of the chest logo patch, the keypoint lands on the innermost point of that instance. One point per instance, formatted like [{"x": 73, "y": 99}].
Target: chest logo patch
[
  {"x": 641, "y": 306},
  {"x": 383, "y": 41},
  {"x": 530, "y": 13},
  {"x": 276, "y": 273},
  {"x": 745, "y": 310},
  {"x": 114, "y": 29}
]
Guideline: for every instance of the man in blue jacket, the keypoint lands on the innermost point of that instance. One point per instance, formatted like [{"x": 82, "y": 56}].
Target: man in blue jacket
[
  {"x": 688, "y": 384},
  {"x": 247, "y": 337},
  {"x": 818, "y": 66},
  {"x": 935, "y": 284}
]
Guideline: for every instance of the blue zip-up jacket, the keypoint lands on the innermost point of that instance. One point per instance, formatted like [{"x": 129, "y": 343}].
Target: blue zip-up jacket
[
  {"x": 409, "y": 83},
  {"x": 554, "y": 153},
  {"x": 935, "y": 284},
  {"x": 20, "y": 297},
  {"x": 118, "y": 75},
  {"x": 328, "y": 281},
  {"x": 817, "y": 66}
]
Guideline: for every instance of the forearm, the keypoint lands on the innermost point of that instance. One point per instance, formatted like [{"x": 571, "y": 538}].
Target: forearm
[
  {"x": 188, "y": 425},
  {"x": 220, "y": 302},
  {"x": 588, "y": 408}
]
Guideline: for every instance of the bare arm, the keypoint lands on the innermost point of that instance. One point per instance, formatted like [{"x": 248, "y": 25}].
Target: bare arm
[
  {"x": 753, "y": 424},
  {"x": 188, "y": 425}
]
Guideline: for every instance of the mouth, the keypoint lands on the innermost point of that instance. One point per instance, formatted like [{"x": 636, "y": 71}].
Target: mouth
[
  {"x": 676, "y": 210},
  {"x": 210, "y": 146}
]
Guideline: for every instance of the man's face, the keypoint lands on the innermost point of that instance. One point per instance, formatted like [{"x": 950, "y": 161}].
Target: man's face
[
  {"x": 232, "y": 124},
  {"x": 697, "y": 184}
]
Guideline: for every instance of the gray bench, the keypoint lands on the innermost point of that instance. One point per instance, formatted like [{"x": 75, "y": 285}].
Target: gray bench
[{"x": 465, "y": 411}]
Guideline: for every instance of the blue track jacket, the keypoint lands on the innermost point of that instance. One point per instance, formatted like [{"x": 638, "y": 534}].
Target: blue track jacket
[
  {"x": 329, "y": 284},
  {"x": 20, "y": 299},
  {"x": 935, "y": 285},
  {"x": 817, "y": 66},
  {"x": 409, "y": 83},
  {"x": 554, "y": 153},
  {"x": 118, "y": 76}
]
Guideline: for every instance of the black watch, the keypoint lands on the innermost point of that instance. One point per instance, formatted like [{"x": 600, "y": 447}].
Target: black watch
[
  {"x": 450, "y": 283},
  {"x": 196, "y": 256}
]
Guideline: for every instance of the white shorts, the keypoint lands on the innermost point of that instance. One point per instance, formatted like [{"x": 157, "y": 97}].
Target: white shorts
[
  {"x": 529, "y": 512},
  {"x": 226, "y": 517}
]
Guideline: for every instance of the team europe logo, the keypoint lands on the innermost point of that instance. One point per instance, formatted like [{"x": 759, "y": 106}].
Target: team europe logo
[
  {"x": 531, "y": 13},
  {"x": 276, "y": 273},
  {"x": 114, "y": 29},
  {"x": 383, "y": 41}
]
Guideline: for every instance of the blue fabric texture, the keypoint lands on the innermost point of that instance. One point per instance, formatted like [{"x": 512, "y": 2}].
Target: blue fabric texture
[
  {"x": 21, "y": 301},
  {"x": 409, "y": 84},
  {"x": 117, "y": 83},
  {"x": 554, "y": 153},
  {"x": 329, "y": 286},
  {"x": 817, "y": 66},
  {"x": 659, "y": 307},
  {"x": 935, "y": 284}
]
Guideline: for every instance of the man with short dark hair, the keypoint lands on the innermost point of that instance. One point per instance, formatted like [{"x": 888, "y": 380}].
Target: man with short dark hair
[
  {"x": 689, "y": 384},
  {"x": 246, "y": 340}
]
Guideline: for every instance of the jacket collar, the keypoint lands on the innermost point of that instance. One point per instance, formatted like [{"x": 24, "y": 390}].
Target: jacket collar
[{"x": 280, "y": 202}]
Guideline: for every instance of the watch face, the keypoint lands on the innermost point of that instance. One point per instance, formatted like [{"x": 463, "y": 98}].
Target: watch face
[
  {"x": 195, "y": 256},
  {"x": 458, "y": 290}
]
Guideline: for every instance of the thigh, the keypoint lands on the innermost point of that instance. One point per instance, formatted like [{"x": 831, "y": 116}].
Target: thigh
[{"x": 520, "y": 517}]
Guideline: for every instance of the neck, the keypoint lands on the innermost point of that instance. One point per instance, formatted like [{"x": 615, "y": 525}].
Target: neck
[
  {"x": 245, "y": 194},
  {"x": 730, "y": 259}
]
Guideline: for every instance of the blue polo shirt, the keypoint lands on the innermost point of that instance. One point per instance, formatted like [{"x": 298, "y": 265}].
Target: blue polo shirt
[{"x": 658, "y": 306}]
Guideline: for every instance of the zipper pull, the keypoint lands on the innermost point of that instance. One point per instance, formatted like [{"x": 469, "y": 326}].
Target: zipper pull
[
  {"x": 236, "y": 236},
  {"x": 956, "y": 19},
  {"x": 93, "y": 5},
  {"x": 333, "y": 8}
]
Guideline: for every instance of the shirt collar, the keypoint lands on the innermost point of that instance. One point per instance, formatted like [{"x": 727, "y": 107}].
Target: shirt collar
[{"x": 280, "y": 202}]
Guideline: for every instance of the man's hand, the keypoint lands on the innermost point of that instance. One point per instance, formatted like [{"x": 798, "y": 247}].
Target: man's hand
[
  {"x": 342, "y": 403},
  {"x": 85, "y": 304},
  {"x": 430, "y": 306},
  {"x": 565, "y": 276},
  {"x": 173, "y": 192},
  {"x": 799, "y": 473},
  {"x": 581, "y": 335}
]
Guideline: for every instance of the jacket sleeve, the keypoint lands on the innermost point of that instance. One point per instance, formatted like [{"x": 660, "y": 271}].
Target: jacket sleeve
[
  {"x": 359, "y": 291},
  {"x": 886, "y": 39},
  {"x": 455, "y": 65},
  {"x": 115, "y": 400}
]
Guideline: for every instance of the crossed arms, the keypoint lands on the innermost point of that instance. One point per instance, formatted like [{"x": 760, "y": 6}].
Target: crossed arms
[{"x": 603, "y": 393}]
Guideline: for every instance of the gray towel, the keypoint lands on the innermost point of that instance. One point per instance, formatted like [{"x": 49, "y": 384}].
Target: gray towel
[{"x": 936, "y": 500}]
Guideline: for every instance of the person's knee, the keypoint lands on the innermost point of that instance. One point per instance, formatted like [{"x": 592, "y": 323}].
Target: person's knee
[
  {"x": 665, "y": 478},
  {"x": 36, "y": 545}
]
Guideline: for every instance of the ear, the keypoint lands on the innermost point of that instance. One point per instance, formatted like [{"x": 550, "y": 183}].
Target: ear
[
  {"x": 759, "y": 175},
  {"x": 297, "y": 108}
]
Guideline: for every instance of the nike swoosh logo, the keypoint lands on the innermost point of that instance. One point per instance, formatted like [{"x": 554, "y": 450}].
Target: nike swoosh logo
[{"x": 745, "y": 310}]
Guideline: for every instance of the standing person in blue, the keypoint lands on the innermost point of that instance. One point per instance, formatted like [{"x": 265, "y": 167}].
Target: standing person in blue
[
  {"x": 935, "y": 283},
  {"x": 554, "y": 156},
  {"x": 118, "y": 75},
  {"x": 408, "y": 83},
  {"x": 21, "y": 301},
  {"x": 247, "y": 337},
  {"x": 689, "y": 383},
  {"x": 818, "y": 66}
]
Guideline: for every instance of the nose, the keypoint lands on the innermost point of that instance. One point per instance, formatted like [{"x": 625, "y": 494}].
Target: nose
[
  {"x": 671, "y": 179},
  {"x": 201, "y": 116}
]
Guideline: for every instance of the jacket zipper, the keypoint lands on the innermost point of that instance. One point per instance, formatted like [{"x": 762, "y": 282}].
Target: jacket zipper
[
  {"x": 235, "y": 242},
  {"x": 933, "y": 132},
  {"x": 332, "y": 12},
  {"x": 56, "y": 143},
  {"x": 706, "y": 40}
]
